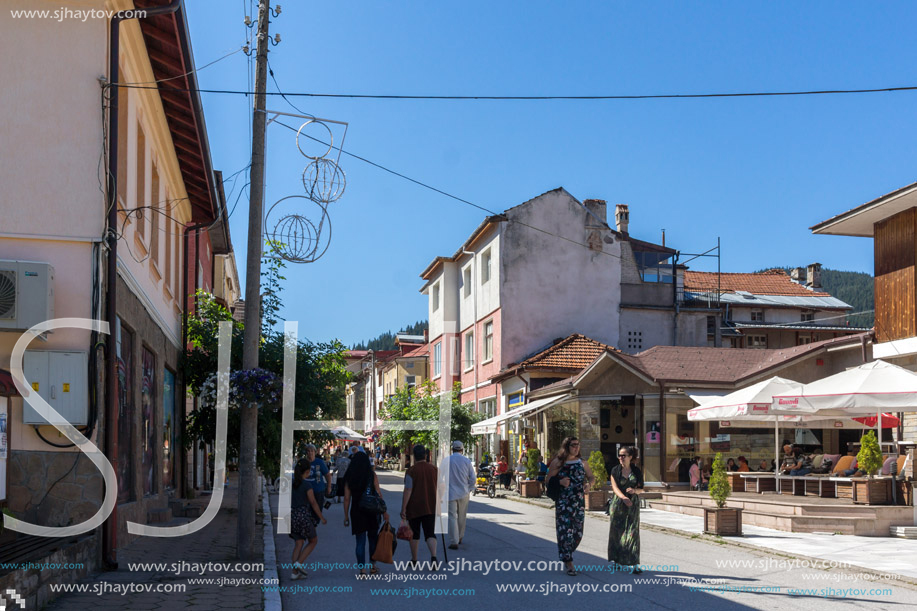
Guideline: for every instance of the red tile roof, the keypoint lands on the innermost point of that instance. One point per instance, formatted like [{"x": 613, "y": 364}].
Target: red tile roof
[
  {"x": 571, "y": 354},
  {"x": 771, "y": 282},
  {"x": 423, "y": 350}
]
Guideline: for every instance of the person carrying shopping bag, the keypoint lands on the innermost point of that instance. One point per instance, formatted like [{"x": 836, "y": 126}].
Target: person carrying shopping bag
[{"x": 360, "y": 480}]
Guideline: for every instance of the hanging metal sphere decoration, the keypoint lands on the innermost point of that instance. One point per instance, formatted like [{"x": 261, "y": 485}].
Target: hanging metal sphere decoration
[
  {"x": 300, "y": 133},
  {"x": 324, "y": 181},
  {"x": 297, "y": 238}
]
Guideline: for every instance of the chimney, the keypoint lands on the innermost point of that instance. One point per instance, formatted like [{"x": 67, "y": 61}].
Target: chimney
[
  {"x": 798, "y": 275},
  {"x": 599, "y": 216},
  {"x": 622, "y": 218},
  {"x": 426, "y": 336},
  {"x": 813, "y": 276}
]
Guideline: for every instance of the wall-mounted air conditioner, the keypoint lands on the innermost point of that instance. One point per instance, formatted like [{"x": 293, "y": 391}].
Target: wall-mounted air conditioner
[{"x": 26, "y": 294}]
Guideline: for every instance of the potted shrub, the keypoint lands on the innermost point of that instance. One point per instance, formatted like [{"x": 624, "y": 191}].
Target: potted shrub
[
  {"x": 721, "y": 520},
  {"x": 871, "y": 490},
  {"x": 595, "y": 498},
  {"x": 531, "y": 487}
]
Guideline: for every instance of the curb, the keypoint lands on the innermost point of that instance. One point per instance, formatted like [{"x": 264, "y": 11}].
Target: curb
[
  {"x": 270, "y": 599},
  {"x": 902, "y": 579}
]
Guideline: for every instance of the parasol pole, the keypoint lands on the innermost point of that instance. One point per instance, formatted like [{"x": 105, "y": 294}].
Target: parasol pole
[{"x": 879, "y": 424}]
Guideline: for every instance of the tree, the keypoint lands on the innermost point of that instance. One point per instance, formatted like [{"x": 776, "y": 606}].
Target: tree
[
  {"x": 597, "y": 464},
  {"x": 869, "y": 458},
  {"x": 320, "y": 375},
  {"x": 532, "y": 464},
  {"x": 422, "y": 403},
  {"x": 719, "y": 483}
]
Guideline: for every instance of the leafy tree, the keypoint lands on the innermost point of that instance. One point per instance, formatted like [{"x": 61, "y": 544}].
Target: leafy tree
[
  {"x": 719, "y": 483},
  {"x": 422, "y": 403},
  {"x": 597, "y": 464},
  {"x": 320, "y": 375},
  {"x": 869, "y": 458}
]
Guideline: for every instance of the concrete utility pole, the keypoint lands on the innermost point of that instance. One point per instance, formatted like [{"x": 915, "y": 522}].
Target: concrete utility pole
[{"x": 248, "y": 492}]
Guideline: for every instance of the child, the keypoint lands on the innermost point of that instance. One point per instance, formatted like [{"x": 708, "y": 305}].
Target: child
[{"x": 304, "y": 516}]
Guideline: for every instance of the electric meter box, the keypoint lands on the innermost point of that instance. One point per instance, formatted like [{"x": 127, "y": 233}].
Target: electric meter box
[{"x": 61, "y": 379}]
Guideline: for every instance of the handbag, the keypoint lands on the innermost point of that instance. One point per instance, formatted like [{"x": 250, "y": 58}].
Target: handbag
[
  {"x": 370, "y": 503},
  {"x": 385, "y": 545},
  {"x": 553, "y": 491},
  {"x": 404, "y": 531}
]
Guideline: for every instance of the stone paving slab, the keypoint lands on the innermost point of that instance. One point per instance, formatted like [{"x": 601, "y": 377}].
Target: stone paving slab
[{"x": 215, "y": 543}]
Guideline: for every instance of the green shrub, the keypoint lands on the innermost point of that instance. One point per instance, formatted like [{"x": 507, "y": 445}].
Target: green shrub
[
  {"x": 597, "y": 464},
  {"x": 719, "y": 483},
  {"x": 869, "y": 458},
  {"x": 531, "y": 466}
]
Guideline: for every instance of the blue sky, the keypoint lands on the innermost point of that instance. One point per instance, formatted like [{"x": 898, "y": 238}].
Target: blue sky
[{"x": 755, "y": 172}]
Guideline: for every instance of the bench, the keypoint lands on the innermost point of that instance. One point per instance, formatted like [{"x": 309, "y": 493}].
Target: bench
[{"x": 758, "y": 482}]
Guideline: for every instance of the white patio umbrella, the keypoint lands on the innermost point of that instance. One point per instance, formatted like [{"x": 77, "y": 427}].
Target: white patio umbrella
[
  {"x": 871, "y": 388},
  {"x": 753, "y": 403},
  {"x": 347, "y": 434}
]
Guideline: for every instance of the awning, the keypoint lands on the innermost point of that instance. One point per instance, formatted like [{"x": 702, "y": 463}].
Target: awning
[{"x": 488, "y": 426}]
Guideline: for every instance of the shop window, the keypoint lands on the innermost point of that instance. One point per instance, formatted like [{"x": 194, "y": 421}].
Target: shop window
[
  {"x": 147, "y": 398},
  {"x": 124, "y": 345}
]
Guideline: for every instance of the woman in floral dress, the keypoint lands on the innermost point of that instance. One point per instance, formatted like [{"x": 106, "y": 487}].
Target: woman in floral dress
[
  {"x": 624, "y": 530},
  {"x": 570, "y": 508}
]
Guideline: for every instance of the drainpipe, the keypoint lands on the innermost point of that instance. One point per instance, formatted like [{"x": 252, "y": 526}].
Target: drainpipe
[
  {"x": 663, "y": 463},
  {"x": 675, "y": 299},
  {"x": 110, "y": 529}
]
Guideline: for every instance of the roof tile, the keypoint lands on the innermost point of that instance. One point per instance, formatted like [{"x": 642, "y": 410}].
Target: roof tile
[{"x": 771, "y": 282}]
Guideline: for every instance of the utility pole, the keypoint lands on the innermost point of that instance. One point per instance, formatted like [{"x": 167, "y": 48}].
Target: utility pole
[{"x": 248, "y": 493}]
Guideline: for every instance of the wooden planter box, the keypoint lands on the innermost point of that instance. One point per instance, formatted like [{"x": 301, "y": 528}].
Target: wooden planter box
[
  {"x": 595, "y": 501},
  {"x": 872, "y": 491},
  {"x": 724, "y": 522},
  {"x": 531, "y": 488}
]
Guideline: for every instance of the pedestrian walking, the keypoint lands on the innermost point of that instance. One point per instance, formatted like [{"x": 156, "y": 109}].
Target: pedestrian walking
[
  {"x": 418, "y": 503},
  {"x": 570, "y": 508},
  {"x": 305, "y": 513},
  {"x": 320, "y": 477},
  {"x": 341, "y": 465},
  {"x": 360, "y": 480},
  {"x": 462, "y": 481},
  {"x": 624, "y": 527}
]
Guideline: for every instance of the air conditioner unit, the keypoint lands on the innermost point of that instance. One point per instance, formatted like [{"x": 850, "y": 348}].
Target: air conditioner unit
[{"x": 26, "y": 294}]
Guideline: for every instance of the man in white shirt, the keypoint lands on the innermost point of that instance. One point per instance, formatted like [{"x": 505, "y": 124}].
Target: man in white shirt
[{"x": 461, "y": 484}]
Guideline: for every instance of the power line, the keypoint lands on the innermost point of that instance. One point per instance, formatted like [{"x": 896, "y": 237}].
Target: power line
[{"x": 659, "y": 96}]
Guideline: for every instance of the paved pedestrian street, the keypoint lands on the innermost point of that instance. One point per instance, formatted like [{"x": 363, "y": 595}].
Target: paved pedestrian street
[{"x": 504, "y": 563}]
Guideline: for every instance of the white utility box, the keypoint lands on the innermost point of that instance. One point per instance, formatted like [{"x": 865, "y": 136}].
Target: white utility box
[
  {"x": 26, "y": 294},
  {"x": 61, "y": 379}
]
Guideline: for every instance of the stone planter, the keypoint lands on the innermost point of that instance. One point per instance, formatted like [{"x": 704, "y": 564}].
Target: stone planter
[
  {"x": 531, "y": 488},
  {"x": 595, "y": 501},
  {"x": 870, "y": 491},
  {"x": 725, "y": 521}
]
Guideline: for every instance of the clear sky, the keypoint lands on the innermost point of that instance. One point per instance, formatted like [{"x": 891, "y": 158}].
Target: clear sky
[{"x": 755, "y": 172}]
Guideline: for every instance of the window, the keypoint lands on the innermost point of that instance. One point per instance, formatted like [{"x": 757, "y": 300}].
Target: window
[
  {"x": 456, "y": 355},
  {"x": 147, "y": 400},
  {"x": 514, "y": 400},
  {"x": 141, "y": 214},
  {"x": 124, "y": 346},
  {"x": 756, "y": 341},
  {"x": 466, "y": 281},
  {"x": 156, "y": 219},
  {"x": 654, "y": 266},
  {"x": 488, "y": 341},
  {"x": 122, "y": 148},
  {"x": 808, "y": 317},
  {"x": 635, "y": 340},
  {"x": 167, "y": 241},
  {"x": 179, "y": 270},
  {"x": 410, "y": 381},
  {"x": 804, "y": 339},
  {"x": 434, "y": 296},
  {"x": 437, "y": 359},
  {"x": 711, "y": 325},
  {"x": 485, "y": 267},
  {"x": 409, "y": 365},
  {"x": 488, "y": 407},
  {"x": 469, "y": 350},
  {"x": 757, "y": 316}
]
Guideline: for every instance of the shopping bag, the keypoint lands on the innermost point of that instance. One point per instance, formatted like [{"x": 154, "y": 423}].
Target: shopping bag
[
  {"x": 405, "y": 532},
  {"x": 385, "y": 546}
]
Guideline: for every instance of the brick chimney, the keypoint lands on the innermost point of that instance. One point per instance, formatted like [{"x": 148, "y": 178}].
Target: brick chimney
[
  {"x": 622, "y": 218},
  {"x": 813, "y": 275},
  {"x": 426, "y": 336},
  {"x": 598, "y": 209},
  {"x": 798, "y": 275}
]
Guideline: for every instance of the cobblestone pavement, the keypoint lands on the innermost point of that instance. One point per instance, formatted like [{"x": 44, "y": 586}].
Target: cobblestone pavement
[{"x": 215, "y": 543}]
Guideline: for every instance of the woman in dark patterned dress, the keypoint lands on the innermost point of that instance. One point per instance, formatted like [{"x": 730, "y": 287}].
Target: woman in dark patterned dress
[
  {"x": 624, "y": 530},
  {"x": 570, "y": 509},
  {"x": 305, "y": 514}
]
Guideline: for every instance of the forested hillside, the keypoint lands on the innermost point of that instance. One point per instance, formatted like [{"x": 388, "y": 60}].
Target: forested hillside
[
  {"x": 386, "y": 341},
  {"x": 855, "y": 288}
]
